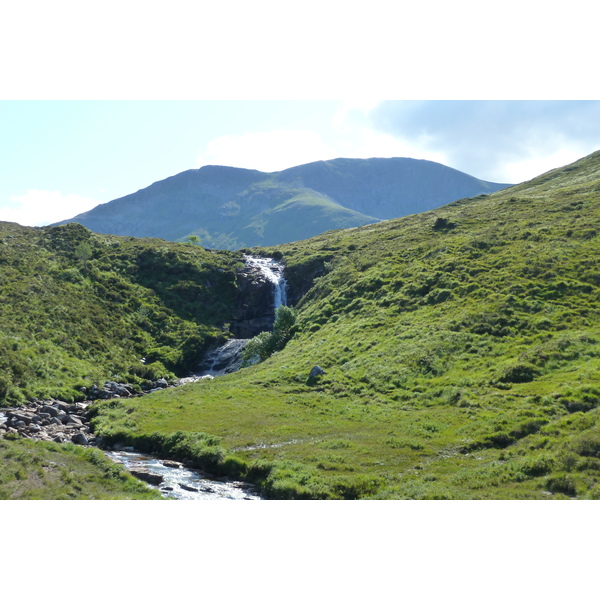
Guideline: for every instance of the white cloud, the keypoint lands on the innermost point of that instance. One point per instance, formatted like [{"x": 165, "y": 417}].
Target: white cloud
[
  {"x": 266, "y": 151},
  {"x": 505, "y": 141},
  {"x": 42, "y": 207}
]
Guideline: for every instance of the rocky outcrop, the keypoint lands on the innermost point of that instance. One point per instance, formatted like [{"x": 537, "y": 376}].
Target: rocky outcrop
[
  {"x": 52, "y": 421},
  {"x": 223, "y": 360},
  {"x": 253, "y": 312}
]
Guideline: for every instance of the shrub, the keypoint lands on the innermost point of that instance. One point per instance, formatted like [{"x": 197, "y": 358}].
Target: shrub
[
  {"x": 263, "y": 345},
  {"x": 519, "y": 373}
]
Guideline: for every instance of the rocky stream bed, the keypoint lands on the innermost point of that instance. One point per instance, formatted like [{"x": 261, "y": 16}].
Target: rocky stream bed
[
  {"x": 264, "y": 289},
  {"x": 61, "y": 422}
]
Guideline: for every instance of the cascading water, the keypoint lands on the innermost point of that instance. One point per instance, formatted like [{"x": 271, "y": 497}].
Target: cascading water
[
  {"x": 273, "y": 272},
  {"x": 228, "y": 357}
]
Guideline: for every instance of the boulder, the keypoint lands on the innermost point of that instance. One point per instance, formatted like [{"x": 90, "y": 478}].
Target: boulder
[
  {"x": 80, "y": 438},
  {"x": 188, "y": 488},
  {"x": 49, "y": 410},
  {"x": 316, "y": 371},
  {"x": 150, "y": 478}
]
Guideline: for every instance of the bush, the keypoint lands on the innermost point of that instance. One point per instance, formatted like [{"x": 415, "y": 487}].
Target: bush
[
  {"x": 263, "y": 345},
  {"x": 519, "y": 373}
]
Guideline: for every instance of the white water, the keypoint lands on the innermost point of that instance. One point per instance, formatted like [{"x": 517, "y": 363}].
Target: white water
[
  {"x": 174, "y": 478},
  {"x": 273, "y": 271}
]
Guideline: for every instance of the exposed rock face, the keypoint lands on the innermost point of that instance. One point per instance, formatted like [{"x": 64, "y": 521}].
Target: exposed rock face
[
  {"x": 253, "y": 312},
  {"x": 224, "y": 359}
]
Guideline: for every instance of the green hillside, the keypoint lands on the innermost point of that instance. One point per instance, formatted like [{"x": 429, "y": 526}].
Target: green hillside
[
  {"x": 462, "y": 358},
  {"x": 79, "y": 308},
  {"x": 461, "y": 348}
]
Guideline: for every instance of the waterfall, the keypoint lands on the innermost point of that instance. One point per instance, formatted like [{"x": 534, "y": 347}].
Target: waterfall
[
  {"x": 273, "y": 272},
  {"x": 227, "y": 358}
]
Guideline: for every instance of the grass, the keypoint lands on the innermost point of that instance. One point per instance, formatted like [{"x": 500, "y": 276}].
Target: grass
[
  {"x": 48, "y": 471},
  {"x": 70, "y": 321},
  {"x": 461, "y": 350}
]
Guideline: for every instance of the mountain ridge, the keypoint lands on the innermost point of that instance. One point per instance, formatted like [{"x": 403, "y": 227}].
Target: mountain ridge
[{"x": 230, "y": 207}]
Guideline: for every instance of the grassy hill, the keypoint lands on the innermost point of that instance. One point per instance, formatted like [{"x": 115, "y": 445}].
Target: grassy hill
[
  {"x": 462, "y": 356},
  {"x": 461, "y": 348},
  {"x": 80, "y": 308},
  {"x": 230, "y": 208}
]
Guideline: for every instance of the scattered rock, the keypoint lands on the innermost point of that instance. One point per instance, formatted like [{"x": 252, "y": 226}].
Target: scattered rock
[
  {"x": 316, "y": 372},
  {"x": 80, "y": 438},
  {"x": 150, "y": 478}
]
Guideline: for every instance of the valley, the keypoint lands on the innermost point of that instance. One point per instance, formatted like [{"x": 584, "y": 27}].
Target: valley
[{"x": 459, "y": 348}]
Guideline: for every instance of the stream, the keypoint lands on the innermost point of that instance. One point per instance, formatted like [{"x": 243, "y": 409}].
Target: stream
[
  {"x": 273, "y": 272},
  {"x": 173, "y": 479},
  {"x": 182, "y": 483}
]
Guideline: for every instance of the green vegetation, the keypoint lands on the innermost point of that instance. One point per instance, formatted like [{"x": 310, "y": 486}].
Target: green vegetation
[
  {"x": 265, "y": 344},
  {"x": 462, "y": 358},
  {"x": 461, "y": 348},
  {"x": 80, "y": 308},
  {"x": 48, "y": 471}
]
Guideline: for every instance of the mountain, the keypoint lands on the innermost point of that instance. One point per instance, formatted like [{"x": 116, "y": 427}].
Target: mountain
[
  {"x": 461, "y": 358},
  {"x": 459, "y": 349},
  {"x": 231, "y": 208}
]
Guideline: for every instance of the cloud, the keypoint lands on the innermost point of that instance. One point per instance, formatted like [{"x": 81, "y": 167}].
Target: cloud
[
  {"x": 507, "y": 141},
  {"x": 351, "y": 136},
  {"x": 266, "y": 151},
  {"x": 42, "y": 207}
]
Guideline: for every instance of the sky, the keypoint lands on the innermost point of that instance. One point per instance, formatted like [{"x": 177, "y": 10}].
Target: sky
[
  {"x": 101, "y": 99},
  {"x": 63, "y": 157}
]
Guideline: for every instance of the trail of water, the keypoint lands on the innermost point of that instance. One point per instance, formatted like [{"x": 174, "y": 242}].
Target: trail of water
[
  {"x": 273, "y": 271},
  {"x": 182, "y": 483}
]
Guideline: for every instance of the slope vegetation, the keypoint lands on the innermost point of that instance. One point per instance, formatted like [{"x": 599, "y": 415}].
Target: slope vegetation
[
  {"x": 461, "y": 350},
  {"x": 230, "y": 208},
  {"x": 79, "y": 308}
]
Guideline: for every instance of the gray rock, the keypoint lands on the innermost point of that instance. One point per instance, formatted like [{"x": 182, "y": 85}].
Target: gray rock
[
  {"x": 49, "y": 410},
  {"x": 60, "y": 405},
  {"x": 150, "y": 478},
  {"x": 162, "y": 383},
  {"x": 80, "y": 438},
  {"x": 316, "y": 372},
  {"x": 188, "y": 488}
]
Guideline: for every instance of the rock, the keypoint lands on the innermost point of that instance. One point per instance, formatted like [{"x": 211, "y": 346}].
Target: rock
[
  {"x": 80, "y": 438},
  {"x": 188, "y": 488},
  {"x": 172, "y": 464},
  {"x": 162, "y": 383},
  {"x": 49, "y": 410},
  {"x": 316, "y": 372},
  {"x": 150, "y": 478}
]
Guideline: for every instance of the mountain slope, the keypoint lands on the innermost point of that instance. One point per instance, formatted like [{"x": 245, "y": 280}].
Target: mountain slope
[
  {"x": 461, "y": 350},
  {"x": 231, "y": 208},
  {"x": 71, "y": 319}
]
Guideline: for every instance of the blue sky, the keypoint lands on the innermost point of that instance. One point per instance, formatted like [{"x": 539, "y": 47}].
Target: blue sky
[
  {"x": 61, "y": 158},
  {"x": 98, "y": 100}
]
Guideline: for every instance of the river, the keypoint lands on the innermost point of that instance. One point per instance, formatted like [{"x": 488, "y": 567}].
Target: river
[
  {"x": 179, "y": 482},
  {"x": 182, "y": 483}
]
